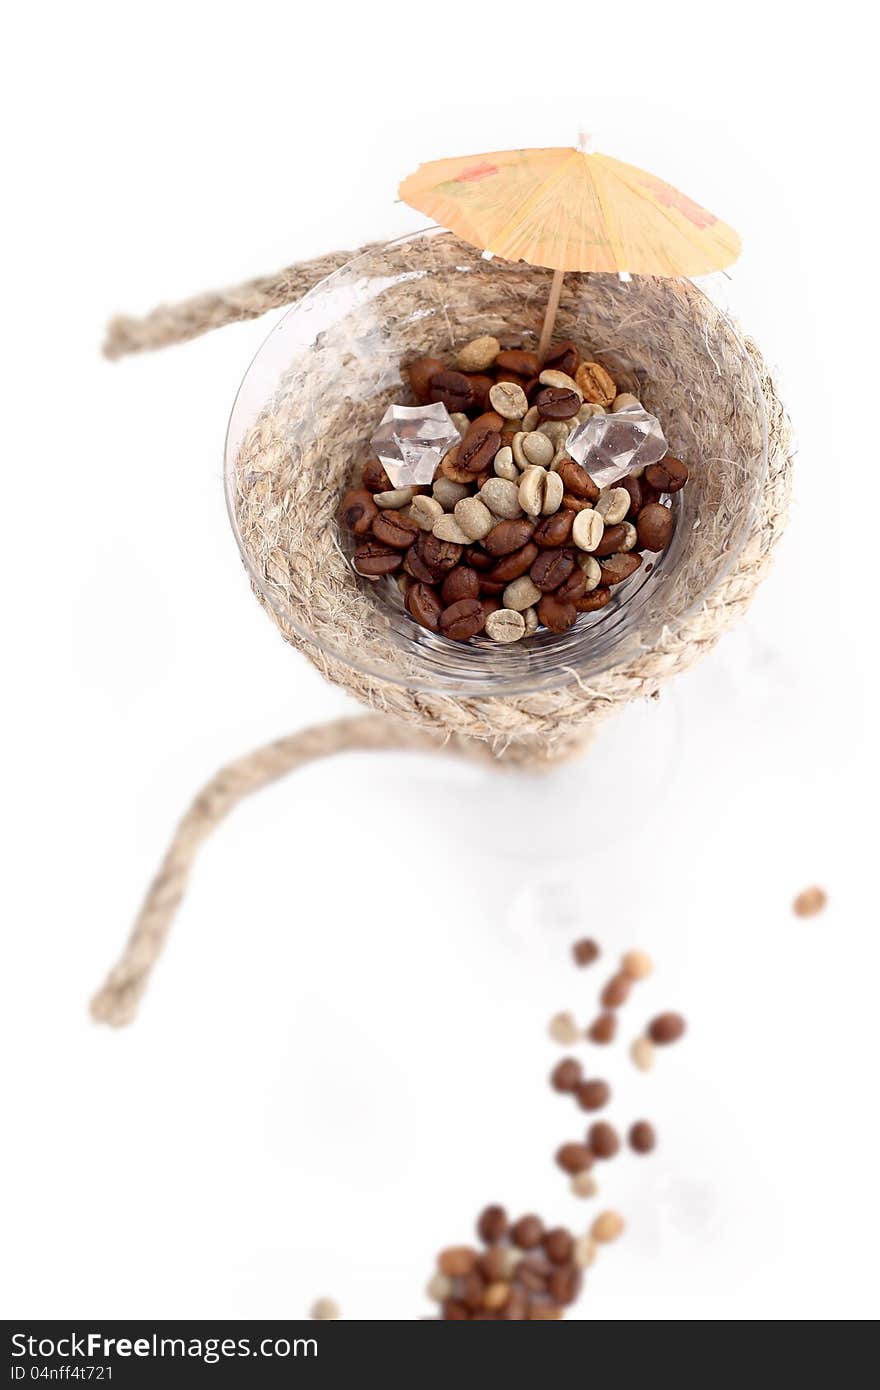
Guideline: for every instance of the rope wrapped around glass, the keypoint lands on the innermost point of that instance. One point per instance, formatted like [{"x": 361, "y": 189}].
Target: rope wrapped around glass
[{"x": 300, "y": 430}]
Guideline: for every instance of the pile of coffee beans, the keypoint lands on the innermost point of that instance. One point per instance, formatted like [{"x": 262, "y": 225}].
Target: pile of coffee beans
[{"x": 513, "y": 535}]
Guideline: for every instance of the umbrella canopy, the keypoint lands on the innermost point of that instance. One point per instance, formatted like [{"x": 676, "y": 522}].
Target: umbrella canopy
[{"x": 569, "y": 209}]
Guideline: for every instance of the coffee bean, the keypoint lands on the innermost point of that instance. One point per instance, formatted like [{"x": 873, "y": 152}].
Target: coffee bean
[
  {"x": 810, "y": 902},
  {"x": 612, "y": 542},
  {"x": 531, "y": 619},
  {"x": 617, "y": 568},
  {"x": 492, "y": 1264},
  {"x": 612, "y": 505},
  {"x": 574, "y": 587},
  {"x": 584, "y": 1253},
  {"x": 439, "y": 1287},
  {"x": 516, "y": 1307},
  {"x": 577, "y": 480},
  {"x": 490, "y": 587},
  {"x": 474, "y": 518},
  {"x": 550, "y": 569},
  {"x": 563, "y": 357},
  {"x": 561, "y": 381},
  {"x": 642, "y": 1137},
  {"x": 425, "y": 511},
  {"x": 449, "y": 467},
  {"x": 420, "y": 374},
  {"x": 563, "y": 1029},
  {"x": 489, "y": 604},
  {"x": 587, "y": 529},
  {"x": 501, "y": 496},
  {"x": 507, "y": 537},
  {"x": 566, "y": 1075},
  {"x": 374, "y": 477},
  {"x": 462, "y": 620},
  {"x": 358, "y": 511},
  {"x": 371, "y": 558},
  {"x": 478, "y": 354},
  {"x": 423, "y": 604},
  {"x": 615, "y": 993},
  {"x": 518, "y": 360},
  {"x": 415, "y": 566},
  {"x": 496, "y": 1296},
  {"x": 666, "y": 1028},
  {"x": 592, "y": 1095},
  {"x": 585, "y": 951},
  {"x": 535, "y": 449},
  {"x": 461, "y": 582},
  {"x": 642, "y": 1054},
  {"x": 597, "y": 386},
  {"x": 395, "y": 499},
  {"x": 584, "y": 1185},
  {"x": 533, "y": 1273},
  {"x": 540, "y": 493},
  {"x": 492, "y": 1224},
  {"x": 490, "y": 420},
  {"x": 603, "y": 1029},
  {"x": 438, "y": 555},
  {"x": 544, "y": 1311},
  {"x": 395, "y": 529},
  {"x": 504, "y": 465},
  {"x": 446, "y": 528},
  {"x": 472, "y": 1289},
  {"x": 594, "y": 600},
  {"x": 451, "y": 389},
  {"x": 557, "y": 1245},
  {"x": 527, "y": 1233},
  {"x": 478, "y": 448},
  {"x": 607, "y": 1227},
  {"x": 669, "y": 475},
  {"x": 457, "y": 1261},
  {"x": 513, "y": 565},
  {"x": 655, "y": 525},
  {"x": 636, "y": 498},
  {"x": 575, "y": 504},
  {"x": 557, "y": 403},
  {"x": 636, "y": 965},
  {"x": 454, "y": 1310},
  {"x": 477, "y": 558},
  {"x": 325, "y": 1310},
  {"x": 566, "y": 1281},
  {"x": 554, "y": 530},
  {"x": 509, "y": 400},
  {"x": 603, "y": 1140},
  {"x": 506, "y": 626},
  {"x": 556, "y": 614},
  {"x": 447, "y": 492},
  {"x": 574, "y": 1158}
]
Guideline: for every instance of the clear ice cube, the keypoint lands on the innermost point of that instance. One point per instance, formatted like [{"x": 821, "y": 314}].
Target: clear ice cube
[
  {"x": 612, "y": 446},
  {"x": 411, "y": 441}
]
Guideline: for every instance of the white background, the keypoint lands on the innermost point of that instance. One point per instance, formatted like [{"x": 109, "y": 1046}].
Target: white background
[{"x": 343, "y": 1054}]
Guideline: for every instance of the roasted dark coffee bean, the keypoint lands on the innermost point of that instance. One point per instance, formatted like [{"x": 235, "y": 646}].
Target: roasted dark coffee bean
[
  {"x": 585, "y": 951},
  {"x": 374, "y": 477},
  {"x": 481, "y": 385},
  {"x": 476, "y": 557},
  {"x": 574, "y": 587},
  {"x": 491, "y": 419},
  {"x": 490, "y": 605},
  {"x": 517, "y": 360},
  {"x": 507, "y": 537},
  {"x": 558, "y": 1245},
  {"x": 463, "y": 620},
  {"x": 556, "y": 614},
  {"x": 593, "y": 601},
  {"x": 616, "y": 992},
  {"x": 395, "y": 529},
  {"x": 642, "y": 1137},
  {"x": 516, "y": 1308},
  {"x": 551, "y": 569},
  {"x": 571, "y": 503},
  {"x": 565, "y": 1282},
  {"x": 617, "y": 568},
  {"x": 451, "y": 389},
  {"x": 557, "y": 403},
  {"x": 531, "y": 388},
  {"x": 566, "y": 1075},
  {"x": 576, "y": 479},
  {"x": 358, "y": 510},
  {"x": 562, "y": 357},
  {"x": 666, "y": 1028},
  {"x": 603, "y": 1140},
  {"x": 492, "y": 1264},
  {"x": 492, "y": 587},
  {"x": 592, "y": 1095},
  {"x": 613, "y": 537},
  {"x": 654, "y": 525},
  {"x": 372, "y": 558},
  {"x": 527, "y": 1232},
  {"x": 423, "y": 604},
  {"x": 533, "y": 1273},
  {"x": 554, "y": 530},
  {"x": 478, "y": 448},
  {"x": 603, "y": 1029},
  {"x": 492, "y": 1224},
  {"x": 636, "y": 494},
  {"x": 574, "y": 1158},
  {"x": 439, "y": 556},
  {"x": 513, "y": 565},
  {"x": 669, "y": 475},
  {"x": 415, "y": 566},
  {"x": 420, "y": 374},
  {"x": 454, "y": 1310},
  {"x": 472, "y": 1290},
  {"x": 462, "y": 582}
]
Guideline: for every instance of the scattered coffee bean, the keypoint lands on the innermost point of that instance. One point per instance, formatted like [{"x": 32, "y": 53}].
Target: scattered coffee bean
[
  {"x": 666, "y": 1028},
  {"x": 603, "y": 1029},
  {"x": 539, "y": 492},
  {"x": 462, "y": 620},
  {"x": 537, "y": 449},
  {"x": 446, "y": 528},
  {"x": 457, "y": 1261},
  {"x": 551, "y": 569},
  {"x": 617, "y": 568},
  {"x": 654, "y": 525},
  {"x": 594, "y": 600},
  {"x": 423, "y": 604},
  {"x": 528, "y": 1232},
  {"x": 395, "y": 499},
  {"x": 506, "y": 625},
  {"x": 587, "y": 529},
  {"x": 576, "y": 479},
  {"x": 810, "y": 902},
  {"x": 558, "y": 1245},
  {"x": 669, "y": 475},
  {"x": 554, "y": 530},
  {"x": 374, "y": 477},
  {"x": 478, "y": 449},
  {"x": 625, "y": 401},
  {"x": 395, "y": 529},
  {"x": 584, "y": 1253},
  {"x": 585, "y": 951},
  {"x": 508, "y": 400},
  {"x": 439, "y": 1287},
  {"x": 612, "y": 505},
  {"x": 478, "y": 354},
  {"x": 566, "y": 1075},
  {"x": 501, "y": 496},
  {"x": 518, "y": 360},
  {"x": 461, "y": 582},
  {"x": 584, "y": 1185},
  {"x": 522, "y": 593},
  {"x": 636, "y": 965},
  {"x": 563, "y": 1028},
  {"x": 592, "y": 1095},
  {"x": 615, "y": 993},
  {"x": 372, "y": 559},
  {"x": 505, "y": 465},
  {"x": 425, "y": 511},
  {"x": 642, "y": 1053},
  {"x": 474, "y": 518},
  {"x": 358, "y": 511},
  {"x": 556, "y": 614},
  {"x": 447, "y": 493},
  {"x": 557, "y": 403},
  {"x": 574, "y": 587},
  {"x": 563, "y": 357},
  {"x": 574, "y": 1158},
  {"x": 420, "y": 374},
  {"x": 595, "y": 383},
  {"x": 603, "y": 1140},
  {"x": 614, "y": 539},
  {"x": 561, "y": 381},
  {"x": 642, "y": 1137},
  {"x": 607, "y": 1227},
  {"x": 451, "y": 389},
  {"x": 492, "y": 1224}
]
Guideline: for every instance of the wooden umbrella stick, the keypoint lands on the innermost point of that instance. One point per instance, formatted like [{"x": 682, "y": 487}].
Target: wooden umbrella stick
[{"x": 550, "y": 315}]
